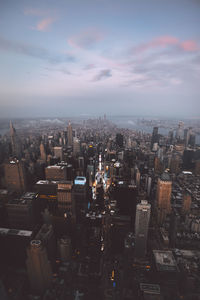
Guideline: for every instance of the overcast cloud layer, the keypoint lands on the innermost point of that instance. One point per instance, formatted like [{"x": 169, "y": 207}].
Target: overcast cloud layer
[{"x": 97, "y": 56}]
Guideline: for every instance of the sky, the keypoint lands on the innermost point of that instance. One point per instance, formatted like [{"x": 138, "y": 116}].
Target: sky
[{"x": 82, "y": 57}]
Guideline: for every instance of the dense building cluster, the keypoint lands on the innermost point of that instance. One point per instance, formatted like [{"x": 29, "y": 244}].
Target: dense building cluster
[{"x": 92, "y": 211}]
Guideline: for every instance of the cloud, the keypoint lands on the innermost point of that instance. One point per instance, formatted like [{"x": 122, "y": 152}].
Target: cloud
[
  {"x": 33, "y": 51},
  {"x": 165, "y": 41},
  {"x": 89, "y": 67},
  {"x": 86, "y": 39},
  {"x": 165, "y": 61},
  {"x": 103, "y": 74},
  {"x": 44, "y": 24},
  {"x": 189, "y": 45},
  {"x": 47, "y": 18}
]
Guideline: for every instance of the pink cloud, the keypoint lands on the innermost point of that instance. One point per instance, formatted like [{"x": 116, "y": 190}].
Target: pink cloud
[
  {"x": 44, "y": 24},
  {"x": 189, "y": 45},
  {"x": 46, "y": 15},
  {"x": 162, "y": 41},
  {"x": 165, "y": 41}
]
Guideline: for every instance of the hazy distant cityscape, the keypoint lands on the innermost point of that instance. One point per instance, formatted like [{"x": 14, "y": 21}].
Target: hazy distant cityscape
[{"x": 104, "y": 208}]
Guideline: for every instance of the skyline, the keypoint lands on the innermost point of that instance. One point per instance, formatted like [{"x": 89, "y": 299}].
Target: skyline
[{"x": 118, "y": 58}]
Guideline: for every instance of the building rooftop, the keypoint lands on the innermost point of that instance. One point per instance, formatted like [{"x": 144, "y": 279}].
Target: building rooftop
[
  {"x": 7, "y": 231},
  {"x": 3, "y": 192},
  {"x": 55, "y": 167},
  {"x": 165, "y": 261},
  {"x": 165, "y": 177},
  {"x": 150, "y": 288},
  {"x": 19, "y": 202},
  {"x": 47, "y": 182},
  {"x": 13, "y": 162},
  {"x": 187, "y": 173},
  {"x": 29, "y": 196},
  {"x": 80, "y": 180}
]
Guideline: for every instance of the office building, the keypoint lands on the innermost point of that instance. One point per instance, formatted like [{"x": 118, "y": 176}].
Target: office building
[
  {"x": 137, "y": 178},
  {"x": 148, "y": 185},
  {"x": 175, "y": 163},
  {"x": 143, "y": 211},
  {"x": 179, "y": 131},
  {"x": 76, "y": 146},
  {"x": 90, "y": 174},
  {"x": 90, "y": 151},
  {"x": 186, "y": 136},
  {"x": 197, "y": 167},
  {"x": 188, "y": 159},
  {"x": 69, "y": 135},
  {"x": 192, "y": 139},
  {"x": 15, "y": 176},
  {"x": 43, "y": 154},
  {"x": 158, "y": 165},
  {"x": 173, "y": 225},
  {"x": 58, "y": 152},
  {"x": 165, "y": 268},
  {"x": 80, "y": 200},
  {"x": 22, "y": 213},
  {"x": 187, "y": 201},
  {"x": 119, "y": 140},
  {"x": 171, "y": 136},
  {"x": 15, "y": 142},
  {"x": 38, "y": 267},
  {"x": 64, "y": 194},
  {"x": 47, "y": 237},
  {"x": 14, "y": 243},
  {"x": 155, "y": 137},
  {"x": 126, "y": 197},
  {"x": 56, "y": 172},
  {"x": 164, "y": 189},
  {"x": 150, "y": 291},
  {"x": 64, "y": 249}
]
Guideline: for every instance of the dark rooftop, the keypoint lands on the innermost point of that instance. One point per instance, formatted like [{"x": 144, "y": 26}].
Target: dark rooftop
[{"x": 165, "y": 177}]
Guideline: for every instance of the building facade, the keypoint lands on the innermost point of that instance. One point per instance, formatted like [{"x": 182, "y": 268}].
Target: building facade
[{"x": 143, "y": 211}]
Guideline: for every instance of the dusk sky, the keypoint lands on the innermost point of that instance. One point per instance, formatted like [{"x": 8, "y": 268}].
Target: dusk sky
[{"x": 120, "y": 57}]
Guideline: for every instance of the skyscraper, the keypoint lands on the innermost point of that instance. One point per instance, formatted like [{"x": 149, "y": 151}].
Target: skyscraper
[
  {"x": 56, "y": 172},
  {"x": 47, "y": 237},
  {"x": 22, "y": 212},
  {"x": 164, "y": 189},
  {"x": 15, "y": 178},
  {"x": 58, "y": 152},
  {"x": 69, "y": 135},
  {"x": 149, "y": 180},
  {"x": 79, "y": 198},
  {"x": 143, "y": 211},
  {"x": 64, "y": 194},
  {"x": 186, "y": 202},
  {"x": 186, "y": 136},
  {"x": 43, "y": 152},
  {"x": 179, "y": 131},
  {"x": 137, "y": 178},
  {"x": 64, "y": 249},
  {"x": 76, "y": 146},
  {"x": 38, "y": 267},
  {"x": 154, "y": 138},
  {"x": 119, "y": 140},
  {"x": 15, "y": 143}
]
